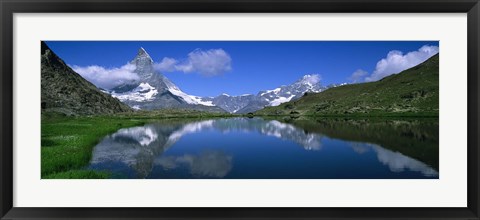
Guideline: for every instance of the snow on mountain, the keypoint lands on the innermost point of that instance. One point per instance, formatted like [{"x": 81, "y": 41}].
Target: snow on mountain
[
  {"x": 280, "y": 100},
  {"x": 308, "y": 83},
  {"x": 190, "y": 99},
  {"x": 176, "y": 91},
  {"x": 271, "y": 91},
  {"x": 285, "y": 93},
  {"x": 200, "y": 101},
  {"x": 143, "y": 92}
]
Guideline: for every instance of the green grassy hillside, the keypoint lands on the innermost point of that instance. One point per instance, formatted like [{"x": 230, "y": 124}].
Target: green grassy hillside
[{"x": 413, "y": 92}]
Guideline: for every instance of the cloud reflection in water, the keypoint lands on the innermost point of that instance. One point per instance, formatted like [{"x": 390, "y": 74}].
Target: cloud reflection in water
[{"x": 207, "y": 164}]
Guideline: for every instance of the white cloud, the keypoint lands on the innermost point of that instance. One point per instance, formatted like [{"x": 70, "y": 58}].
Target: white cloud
[
  {"x": 398, "y": 162},
  {"x": 312, "y": 78},
  {"x": 396, "y": 62},
  {"x": 107, "y": 78},
  {"x": 166, "y": 65},
  {"x": 208, "y": 63},
  {"x": 206, "y": 164},
  {"x": 358, "y": 76}
]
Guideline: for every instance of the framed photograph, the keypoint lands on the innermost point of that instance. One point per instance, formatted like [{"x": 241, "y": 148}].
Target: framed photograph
[{"x": 231, "y": 109}]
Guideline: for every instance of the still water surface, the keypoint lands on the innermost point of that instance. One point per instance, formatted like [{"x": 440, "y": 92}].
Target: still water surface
[{"x": 255, "y": 148}]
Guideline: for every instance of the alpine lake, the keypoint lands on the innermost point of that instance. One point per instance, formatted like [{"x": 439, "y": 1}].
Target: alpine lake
[{"x": 272, "y": 148}]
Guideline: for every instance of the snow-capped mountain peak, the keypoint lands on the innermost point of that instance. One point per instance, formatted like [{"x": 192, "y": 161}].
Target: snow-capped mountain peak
[
  {"x": 142, "y": 53},
  {"x": 142, "y": 93},
  {"x": 273, "y": 97},
  {"x": 308, "y": 83},
  {"x": 153, "y": 91}
]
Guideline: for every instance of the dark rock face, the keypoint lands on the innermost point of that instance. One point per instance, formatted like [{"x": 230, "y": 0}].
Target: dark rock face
[{"x": 65, "y": 91}]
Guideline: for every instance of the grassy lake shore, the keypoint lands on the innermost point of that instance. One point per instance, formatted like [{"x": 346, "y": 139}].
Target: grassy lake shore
[{"x": 67, "y": 142}]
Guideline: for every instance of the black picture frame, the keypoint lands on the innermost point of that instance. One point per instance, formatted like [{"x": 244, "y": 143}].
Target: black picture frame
[{"x": 9, "y": 7}]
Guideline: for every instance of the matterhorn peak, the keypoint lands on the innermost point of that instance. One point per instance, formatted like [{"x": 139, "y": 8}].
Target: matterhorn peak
[
  {"x": 143, "y": 63},
  {"x": 142, "y": 53}
]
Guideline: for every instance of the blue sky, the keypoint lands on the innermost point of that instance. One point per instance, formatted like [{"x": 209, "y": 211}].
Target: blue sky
[{"x": 209, "y": 68}]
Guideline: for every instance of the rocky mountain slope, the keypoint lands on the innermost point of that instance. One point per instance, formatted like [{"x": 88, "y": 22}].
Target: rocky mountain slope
[{"x": 65, "y": 91}]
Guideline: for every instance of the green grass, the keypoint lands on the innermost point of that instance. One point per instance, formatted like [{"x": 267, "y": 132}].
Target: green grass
[
  {"x": 173, "y": 113},
  {"x": 79, "y": 174},
  {"x": 67, "y": 142}
]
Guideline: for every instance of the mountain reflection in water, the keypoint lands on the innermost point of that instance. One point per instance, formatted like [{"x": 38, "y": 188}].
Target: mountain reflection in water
[{"x": 243, "y": 148}]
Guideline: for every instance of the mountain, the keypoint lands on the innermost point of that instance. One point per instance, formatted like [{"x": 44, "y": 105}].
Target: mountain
[
  {"x": 250, "y": 103},
  {"x": 64, "y": 91},
  {"x": 414, "y": 91},
  {"x": 155, "y": 91},
  {"x": 308, "y": 83},
  {"x": 230, "y": 103},
  {"x": 282, "y": 94}
]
